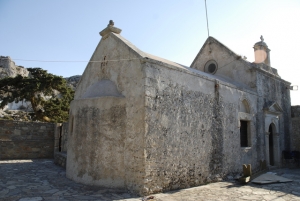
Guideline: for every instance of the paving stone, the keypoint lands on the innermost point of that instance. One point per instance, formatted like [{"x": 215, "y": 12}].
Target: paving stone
[
  {"x": 31, "y": 199},
  {"x": 4, "y": 192},
  {"x": 260, "y": 192},
  {"x": 52, "y": 191},
  {"x": 296, "y": 192},
  {"x": 279, "y": 199},
  {"x": 42, "y": 180},
  {"x": 269, "y": 197},
  {"x": 14, "y": 192}
]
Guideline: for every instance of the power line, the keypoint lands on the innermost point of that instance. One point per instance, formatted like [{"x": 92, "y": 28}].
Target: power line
[
  {"x": 206, "y": 18},
  {"x": 116, "y": 60},
  {"x": 47, "y": 61}
]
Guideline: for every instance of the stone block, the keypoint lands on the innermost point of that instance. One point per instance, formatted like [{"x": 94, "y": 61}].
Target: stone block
[
  {"x": 35, "y": 149},
  {"x": 247, "y": 170},
  {"x": 17, "y": 132},
  {"x": 244, "y": 179}
]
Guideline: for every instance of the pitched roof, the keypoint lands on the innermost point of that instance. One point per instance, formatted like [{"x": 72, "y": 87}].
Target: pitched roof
[{"x": 180, "y": 67}]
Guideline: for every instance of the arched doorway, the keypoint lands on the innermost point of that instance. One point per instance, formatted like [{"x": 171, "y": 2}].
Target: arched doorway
[
  {"x": 272, "y": 112},
  {"x": 271, "y": 143}
]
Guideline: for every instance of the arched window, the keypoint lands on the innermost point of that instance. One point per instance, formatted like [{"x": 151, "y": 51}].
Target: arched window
[{"x": 245, "y": 106}]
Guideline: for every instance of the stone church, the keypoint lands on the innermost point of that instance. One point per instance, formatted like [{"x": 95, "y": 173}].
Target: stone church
[{"x": 146, "y": 124}]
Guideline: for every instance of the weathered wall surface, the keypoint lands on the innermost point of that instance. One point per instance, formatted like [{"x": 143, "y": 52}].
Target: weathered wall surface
[
  {"x": 259, "y": 79},
  {"x": 192, "y": 129},
  {"x": 60, "y": 144},
  {"x": 121, "y": 66},
  {"x": 295, "y": 134},
  {"x": 64, "y": 137},
  {"x": 274, "y": 89},
  {"x": 97, "y": 155},
  {"x": 26, "y": 140},
  {"x": 295, "y": 111}
]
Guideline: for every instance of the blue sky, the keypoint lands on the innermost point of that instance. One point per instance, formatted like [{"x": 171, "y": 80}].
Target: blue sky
[{"x": 68, "y": 30}]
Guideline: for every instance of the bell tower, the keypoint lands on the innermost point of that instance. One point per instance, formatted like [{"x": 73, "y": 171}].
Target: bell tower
[{"x": 262, "y": 52}]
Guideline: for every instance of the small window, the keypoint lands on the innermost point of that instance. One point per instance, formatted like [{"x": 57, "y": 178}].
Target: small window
[
  {"x": 211, "y": 67},
  {"x": 244, "y": 134}
]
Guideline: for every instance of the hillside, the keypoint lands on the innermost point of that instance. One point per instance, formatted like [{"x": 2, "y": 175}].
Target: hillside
[{"x": 18, "y": 111}]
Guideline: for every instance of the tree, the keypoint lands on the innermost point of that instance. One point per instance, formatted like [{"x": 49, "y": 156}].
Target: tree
[{"x": 48, "y": 94}]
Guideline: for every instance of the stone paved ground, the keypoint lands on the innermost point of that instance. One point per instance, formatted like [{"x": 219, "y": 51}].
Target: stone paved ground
[{"x": 36, "y": 180}]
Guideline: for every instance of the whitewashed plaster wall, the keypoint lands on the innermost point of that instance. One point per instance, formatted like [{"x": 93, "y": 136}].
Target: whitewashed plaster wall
[
  {"x": 96, "y": 141},
  {"x": 128, "y": 77}
]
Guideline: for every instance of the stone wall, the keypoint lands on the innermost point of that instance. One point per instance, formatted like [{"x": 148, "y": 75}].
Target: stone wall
[
  {"x": 295, "y": 111},
  {"x": 192, "y": 129},
  {"x": 274, "y": 89},
  {"x": 295, "y": 136},
  {"x": 26, "y": 140},
  {"x": 60, "y": 159},
  {"x": 64, "y": 136},
  {"x": 60, "y": 144}
]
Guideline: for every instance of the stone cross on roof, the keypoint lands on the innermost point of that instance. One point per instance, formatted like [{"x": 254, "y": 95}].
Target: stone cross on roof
[
  {"x": 111, "y": 23},
  {"x": 110, "y": 28}
]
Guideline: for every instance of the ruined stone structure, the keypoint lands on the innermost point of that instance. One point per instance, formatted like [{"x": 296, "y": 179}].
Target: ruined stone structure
[{"x": 147, "y": 124}]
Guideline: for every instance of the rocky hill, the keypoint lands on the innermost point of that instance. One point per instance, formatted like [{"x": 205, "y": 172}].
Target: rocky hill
[
  {"x": 8, "y": 68},
  {"x": 73, "y": 81}
]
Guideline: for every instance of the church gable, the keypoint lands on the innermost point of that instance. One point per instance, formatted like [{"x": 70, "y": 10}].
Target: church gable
[
  {"x": 109, "y": 62},
  {"x": 213, "y": 50},
  {"x": 217, "y": 59}
]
